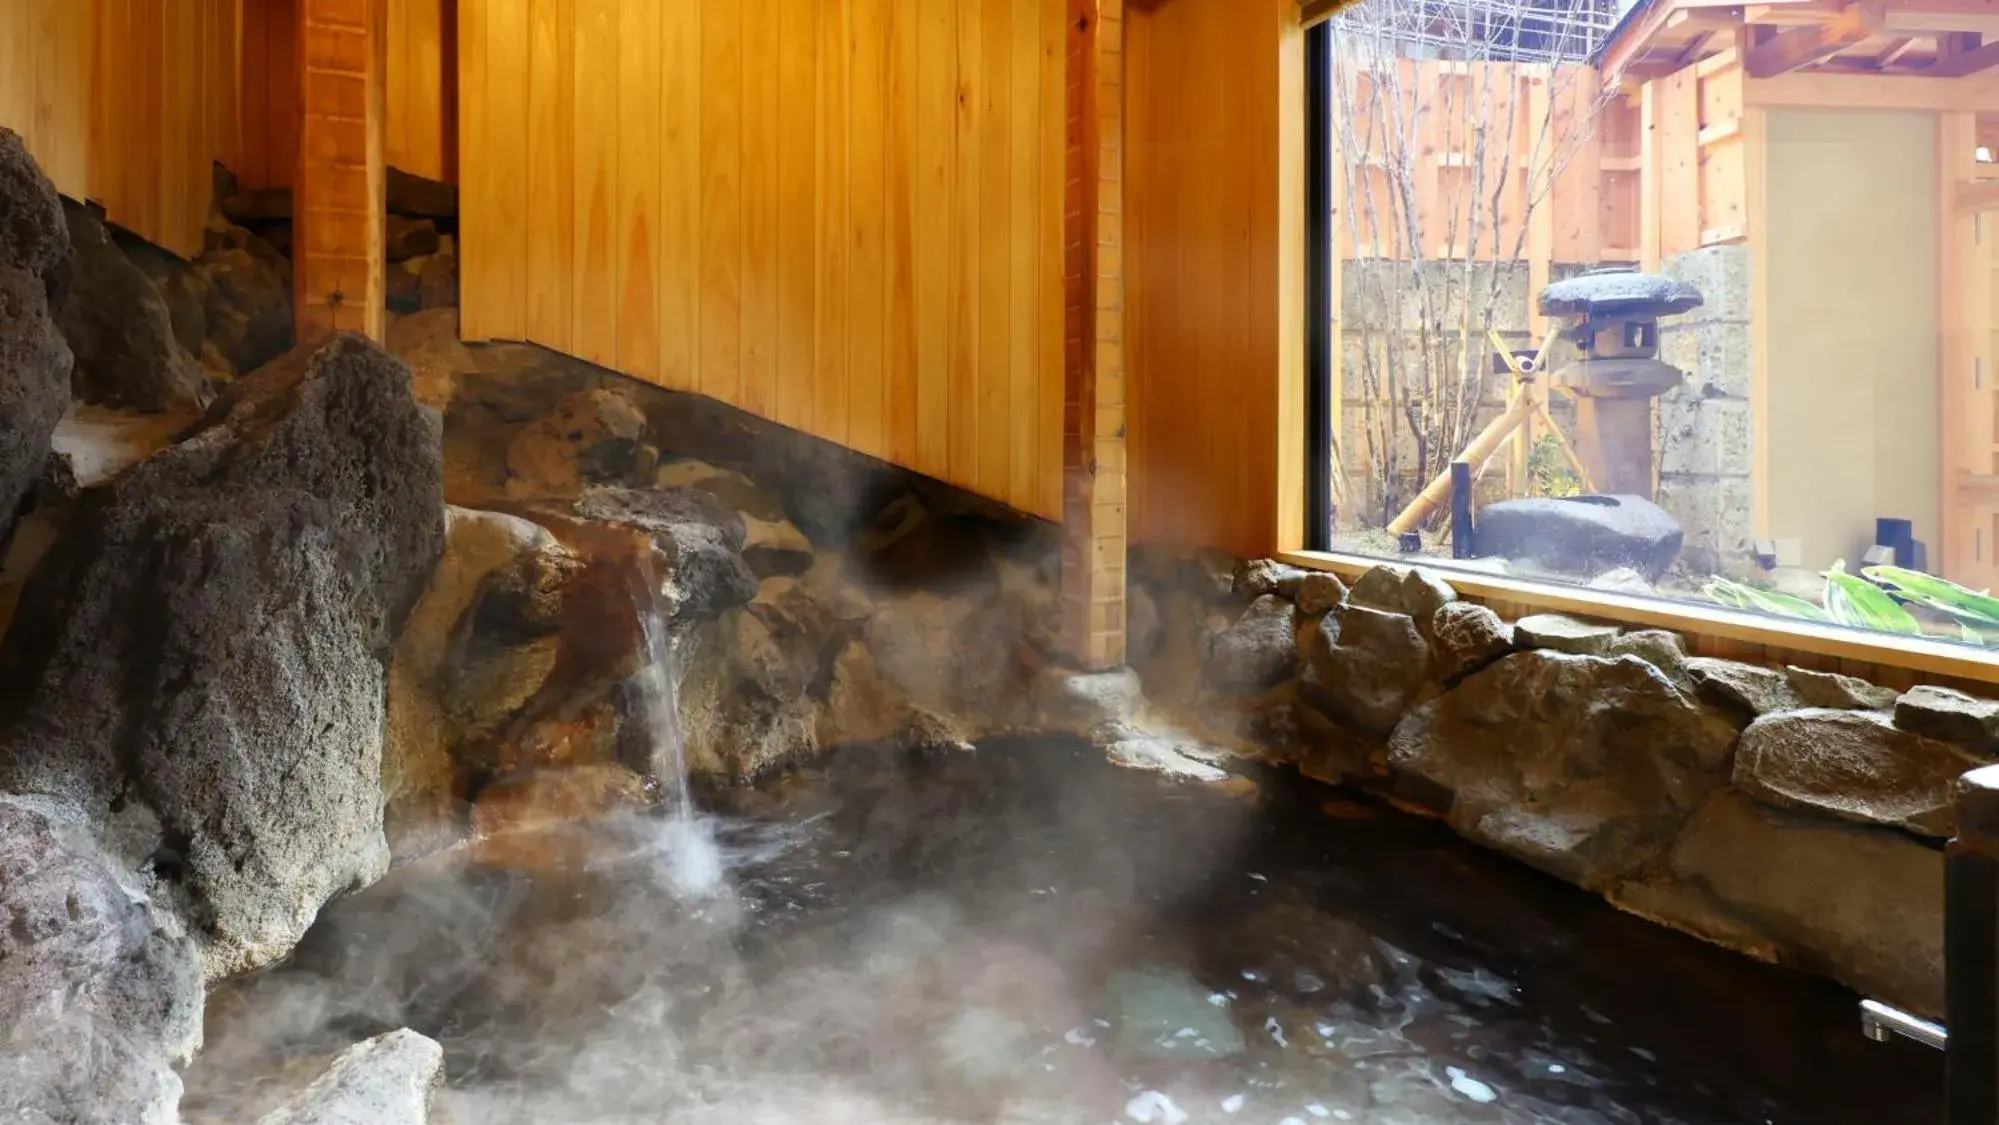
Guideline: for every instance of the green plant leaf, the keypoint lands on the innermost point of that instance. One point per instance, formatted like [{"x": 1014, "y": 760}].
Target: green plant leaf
[
  {"x": 1737, "y": 595},
  {"x": 1853, "y": 600},
  {"x": 1968, "y": 606}
]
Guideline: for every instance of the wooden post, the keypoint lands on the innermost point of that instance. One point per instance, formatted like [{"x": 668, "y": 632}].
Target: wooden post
[
  {"x": 1093, "y": 429},
  {"x": 1962, "y": 554},
  {"x": 337, "y": 270}
]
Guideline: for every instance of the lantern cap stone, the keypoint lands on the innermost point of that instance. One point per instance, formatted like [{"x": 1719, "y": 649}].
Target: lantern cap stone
[{"x": 1618, "y": 291}]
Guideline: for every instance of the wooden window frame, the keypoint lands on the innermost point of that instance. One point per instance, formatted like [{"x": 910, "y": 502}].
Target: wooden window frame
[{"x": 1708, "y": 630}]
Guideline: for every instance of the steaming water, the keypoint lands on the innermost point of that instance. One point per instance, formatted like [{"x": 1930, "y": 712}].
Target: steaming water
[
  {"x": 1025, "y": 935},
  {"x": 686, "y": 842}
]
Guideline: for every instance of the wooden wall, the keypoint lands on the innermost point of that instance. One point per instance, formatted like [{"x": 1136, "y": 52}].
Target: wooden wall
[
  {"x": 46, "y": 68},
  {"x": 844, "y": 215},
  {"x": 422, "y": 90},
  {"x": 1215, "y": 180},
  {"x": 1693, "y": 179},
  {"x": 269, "y": 66},
  {"x": 126, "y": 102}
]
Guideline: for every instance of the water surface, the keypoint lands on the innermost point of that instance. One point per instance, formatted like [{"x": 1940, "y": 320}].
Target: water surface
[{"x": 1028, "y": 935}]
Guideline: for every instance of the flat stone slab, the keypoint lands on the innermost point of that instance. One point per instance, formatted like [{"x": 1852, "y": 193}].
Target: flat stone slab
[
  {"x": 1854, "y": 765},
  {"x": 1952, "y": 716},
  {"x": 1561, "y": 633}
]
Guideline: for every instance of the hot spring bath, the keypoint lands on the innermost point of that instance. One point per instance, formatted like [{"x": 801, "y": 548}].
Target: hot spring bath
[{"x": 1025, "y": 934}]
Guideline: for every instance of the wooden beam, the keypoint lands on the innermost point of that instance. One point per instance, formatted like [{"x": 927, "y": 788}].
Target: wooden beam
[
  {"x": 1978, "y": 196},
  {"x": 1093, "y": 417},
  {"x": 1961, "y": 61},
  {"x": 1756, "y": 217},
  {"x": 1957, "y": 139},
  {"x": 1896, "y": 49},
  {"x": 1903, "y": 91},
  {"x": 337, "y": 269},
  {"x": 1797, "y": 47}
]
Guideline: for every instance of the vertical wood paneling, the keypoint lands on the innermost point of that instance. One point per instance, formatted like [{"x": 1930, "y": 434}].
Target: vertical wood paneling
[
  {"x": 125, "y": 102},
  {"x": 899, "y": 170},
  {"x": 595, "y": 333},
  {"x": 680, "y": 197},
  {"x": 797, "y": 167},
  {"x": 990, "y": 437},
  {"x": 759, "y": 192},
  {"x": 638, "y": 185},
  {"x": 1053, "y": 119},
  {"x": 843, "y": 215},
  {"x": 1206, "y": 283},
  {"x": 935, "y": 250},
  {"x": 422, "y": 89},
  {"x": 832, "y": 233},
  {"x": 867, "y": 202},
  {"x": 551, "y": 155},
  {"x": 721, "y": 199},
  {"x": 479, "y": 311}
]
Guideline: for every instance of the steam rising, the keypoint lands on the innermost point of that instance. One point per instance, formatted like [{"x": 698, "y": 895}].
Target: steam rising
[{"x": 1023, "y": 935}]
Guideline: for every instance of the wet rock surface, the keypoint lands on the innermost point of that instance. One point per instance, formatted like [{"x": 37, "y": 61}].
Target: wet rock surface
[
  {"x": 1863, "y": 903},
  {"x": 1578, "y": 764},
  {"x": 120, "y": 329},
  {"x": 1853, "y": 765},
  {"x": 98, "y": 1002},
  {"x": 34, "y": 237},
  {"x": 1366, "y": 666},
  {"x": 387, "y": 1080},
  {"x": 202, "y": 659},
  {"x": 35, "y": 366}
]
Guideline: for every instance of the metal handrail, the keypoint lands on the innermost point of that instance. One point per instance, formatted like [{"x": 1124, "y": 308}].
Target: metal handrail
[{"x": 1969, "y": 1035}]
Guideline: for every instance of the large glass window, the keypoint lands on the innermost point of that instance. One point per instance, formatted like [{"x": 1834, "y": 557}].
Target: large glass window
[{"x": 1617, "y": 305}]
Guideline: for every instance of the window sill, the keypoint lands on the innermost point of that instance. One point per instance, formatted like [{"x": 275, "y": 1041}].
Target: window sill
[{"x": 1704, "y": 626}]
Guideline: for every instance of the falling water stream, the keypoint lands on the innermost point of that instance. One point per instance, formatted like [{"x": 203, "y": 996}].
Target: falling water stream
[{"x": 686, "y": 840}]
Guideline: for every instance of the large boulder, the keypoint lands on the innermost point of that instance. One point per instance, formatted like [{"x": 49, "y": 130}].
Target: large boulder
[
  {"x": 33, "y": 235},
  {"x": 97, "y": 999},
  {"x": 1582, "y": 536},
  {"x": 34, "y": 387},
  {"x": 591, "y": 437},
  {"x": 1258, "y": 650},
  {"x": 1466, "y": 637},
  {"x": 1582, "y": 766},
  {"x": 249, "y": 293},
  {"x": 1952, "y": 716},
  {"x": 387, "y": 1080},
  {"x": 420, "y": 198},
  {"x": 458, "y": 672},
  {"x": 428, "y": 342},
  {"x": 1862, "y": 904},
  {"x": 1751, "y": 690},
  {"x": 1854, "y": 765},
  {"x": 1364, "y": 667},
  {"x": 202, "y": 658},
  {"x": 699, "y": 543},
  {"x": 121, "y": 331}
]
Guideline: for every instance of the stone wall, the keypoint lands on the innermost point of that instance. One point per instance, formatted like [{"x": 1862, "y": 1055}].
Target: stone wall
[
  {"x": 1705, "y": 425},
  {"x": 1791, "y": 814}
]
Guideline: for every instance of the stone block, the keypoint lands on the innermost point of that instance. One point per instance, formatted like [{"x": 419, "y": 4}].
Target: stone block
[
  {"x": 1716, "y": 515},
  {"x": 1866, "y": 904},
  {"x": 1704, "y": 437},
  {"x": 1721, "y": 273}
]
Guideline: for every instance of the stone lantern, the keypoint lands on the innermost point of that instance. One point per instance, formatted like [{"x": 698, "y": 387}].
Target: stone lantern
[{"x": 1609, "y": 359}]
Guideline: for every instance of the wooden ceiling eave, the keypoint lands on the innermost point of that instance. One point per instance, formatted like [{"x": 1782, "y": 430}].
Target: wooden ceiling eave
[{"x": 1942, "y": 39}]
